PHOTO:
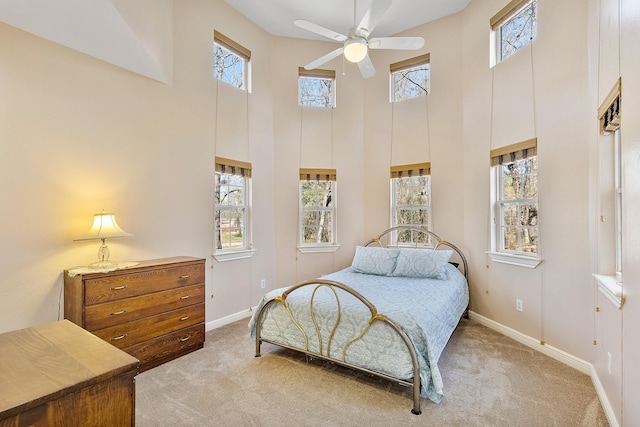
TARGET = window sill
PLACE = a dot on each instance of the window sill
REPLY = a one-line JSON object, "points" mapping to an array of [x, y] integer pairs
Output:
{"points": [[610, 288], [233, 255], [309, 249], [513, 259]]}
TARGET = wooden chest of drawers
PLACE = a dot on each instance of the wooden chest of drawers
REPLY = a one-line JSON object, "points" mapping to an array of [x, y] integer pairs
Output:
{"points": [[153, 311], [58, 374]]}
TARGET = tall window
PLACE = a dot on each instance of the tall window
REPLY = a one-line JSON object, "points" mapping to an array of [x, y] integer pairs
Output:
{"points": [[609, 273], [316, 88], [617, 202], [514, 27], [410, 78], [232, 197], [317, 207], [411, 200], [230, 61], [516, 198]]}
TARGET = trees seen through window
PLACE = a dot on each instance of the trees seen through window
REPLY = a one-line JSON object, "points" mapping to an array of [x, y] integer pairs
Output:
{"points": [[515, 29], [411, 206], [518, 206], [316, 88], [410, 82], [317, 210], [230, 61], [231, 211]]}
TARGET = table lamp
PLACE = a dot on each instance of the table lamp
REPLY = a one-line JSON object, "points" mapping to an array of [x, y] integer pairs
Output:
{"points": [[104, 227]]}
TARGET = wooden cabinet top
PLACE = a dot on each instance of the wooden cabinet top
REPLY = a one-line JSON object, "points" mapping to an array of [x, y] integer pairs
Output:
{"points": [[44, 362], [146, 264]]}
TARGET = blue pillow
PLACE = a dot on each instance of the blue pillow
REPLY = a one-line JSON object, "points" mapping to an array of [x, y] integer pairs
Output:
{"points": [[375, 260], [426, 263]]}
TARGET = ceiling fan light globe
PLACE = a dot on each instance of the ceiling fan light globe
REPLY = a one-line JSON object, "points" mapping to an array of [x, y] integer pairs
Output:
{"points": [[355, 49]]}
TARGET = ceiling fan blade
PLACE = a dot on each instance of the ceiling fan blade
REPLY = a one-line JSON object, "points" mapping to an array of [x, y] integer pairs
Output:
{"points": [[318, 29], [407, 43], [326, 58], [373, 15], [366, 67]]}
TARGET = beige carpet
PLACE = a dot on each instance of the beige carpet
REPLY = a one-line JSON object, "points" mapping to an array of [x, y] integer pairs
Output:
{"points": [[490, 380]]}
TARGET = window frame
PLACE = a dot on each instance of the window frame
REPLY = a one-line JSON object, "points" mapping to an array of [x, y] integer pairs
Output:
{"points": [[618, 200], [402, 172], [242, 170], [317, 74], [405, 66], [505, 16], [236, 49], [501, 205], [326, 175], [522, 151], [609, 115]]}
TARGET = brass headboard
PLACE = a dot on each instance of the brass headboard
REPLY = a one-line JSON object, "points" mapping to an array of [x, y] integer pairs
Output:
{"points": [[418, 238]]}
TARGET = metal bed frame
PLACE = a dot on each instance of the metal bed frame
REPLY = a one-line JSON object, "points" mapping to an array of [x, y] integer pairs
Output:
{"points": [[388, 234]]}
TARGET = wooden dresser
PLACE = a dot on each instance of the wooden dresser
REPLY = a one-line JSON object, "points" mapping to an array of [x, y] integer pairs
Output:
{"points": [[153, 311], [58, 374]]}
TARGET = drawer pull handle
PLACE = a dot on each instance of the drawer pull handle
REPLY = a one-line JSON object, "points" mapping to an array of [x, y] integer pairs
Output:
{"points": [[187, 338], [119, 337], [184, 318], [185, 297], [184, 276], [117, 288], [115, 313]]}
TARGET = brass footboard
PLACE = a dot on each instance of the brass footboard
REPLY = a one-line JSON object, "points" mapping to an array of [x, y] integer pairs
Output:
{"points": [[326, 354]]}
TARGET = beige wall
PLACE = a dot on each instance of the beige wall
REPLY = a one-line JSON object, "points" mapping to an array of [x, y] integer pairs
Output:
{"points": [[619, 56], [563, 85], [315, 138], [540, 92], [78, 135], [437, 137]]}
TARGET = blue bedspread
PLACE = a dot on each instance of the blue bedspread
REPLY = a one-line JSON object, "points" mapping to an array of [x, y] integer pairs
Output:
{"points": [[427, 310]]}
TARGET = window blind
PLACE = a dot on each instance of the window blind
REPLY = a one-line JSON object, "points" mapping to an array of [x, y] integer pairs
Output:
{"points": [[416, 169], [325, 74], [507, 12], [229, 44], [513, 152], [411, 62], [233, 167], [610, 110], [318, 174]]}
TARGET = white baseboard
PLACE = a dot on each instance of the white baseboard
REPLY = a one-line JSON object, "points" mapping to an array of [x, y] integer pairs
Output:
{"points": [[606, 407], [557, 354], [229, 319]]}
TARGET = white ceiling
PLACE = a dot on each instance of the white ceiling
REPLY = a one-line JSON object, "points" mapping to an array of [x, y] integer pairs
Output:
{"points": [[95, 27], [277, 16], [105, 28]]}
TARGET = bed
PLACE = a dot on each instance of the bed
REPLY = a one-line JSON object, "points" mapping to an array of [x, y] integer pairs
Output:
{"points": [[389, 314]]}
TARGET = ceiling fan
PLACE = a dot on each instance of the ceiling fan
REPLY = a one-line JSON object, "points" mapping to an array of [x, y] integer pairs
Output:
{"points": [[357, 42]]}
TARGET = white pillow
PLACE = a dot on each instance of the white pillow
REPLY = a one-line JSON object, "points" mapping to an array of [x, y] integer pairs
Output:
{"points": [[427, 263], [375, 260]]}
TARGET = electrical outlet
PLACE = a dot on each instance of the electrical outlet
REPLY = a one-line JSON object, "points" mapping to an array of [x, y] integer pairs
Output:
{"points": [[263, 283], [518, 305]]}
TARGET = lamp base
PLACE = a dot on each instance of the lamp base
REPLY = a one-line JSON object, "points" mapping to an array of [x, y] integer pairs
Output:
{"points": [[103, 265]]}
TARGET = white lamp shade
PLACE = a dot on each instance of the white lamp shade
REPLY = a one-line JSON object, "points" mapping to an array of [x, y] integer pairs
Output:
{"points": [[355, 49], [104, 227]]}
